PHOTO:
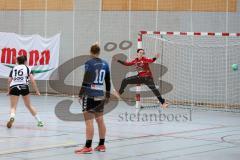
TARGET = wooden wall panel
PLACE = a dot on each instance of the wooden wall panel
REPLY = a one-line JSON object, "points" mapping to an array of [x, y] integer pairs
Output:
{"points": [[174, 5], [8, 5], [146, 5], [215, 5], [170, 5], [115, 5], [36, 4]]}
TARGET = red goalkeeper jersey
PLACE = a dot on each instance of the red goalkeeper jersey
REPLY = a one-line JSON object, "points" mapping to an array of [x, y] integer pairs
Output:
{"points": [[142, 65]]}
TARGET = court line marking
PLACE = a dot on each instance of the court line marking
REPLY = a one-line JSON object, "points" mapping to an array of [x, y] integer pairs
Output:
{"points": [[171, 138], [136, 155], [206, 134], [190, 131], [30, 136], [195, 138], [158, 152], [170, 133], [194, 153], [12, 151], [73, 144], [9, 139], [15, 158], [169, 150], [174, 137], [46, 128], [223, 138], [196, 146]]}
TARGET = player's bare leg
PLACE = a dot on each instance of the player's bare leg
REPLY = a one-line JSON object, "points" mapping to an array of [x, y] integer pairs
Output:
{"points": [[116, 93], [89, 117], [13, 103], [32, 110], [102, 132]]}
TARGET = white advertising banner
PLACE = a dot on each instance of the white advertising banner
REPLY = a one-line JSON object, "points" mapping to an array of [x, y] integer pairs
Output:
{"points": [[42, 53]]}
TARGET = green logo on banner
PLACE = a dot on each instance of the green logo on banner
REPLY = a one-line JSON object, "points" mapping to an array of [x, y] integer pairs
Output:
{"points": [[33, 71]]}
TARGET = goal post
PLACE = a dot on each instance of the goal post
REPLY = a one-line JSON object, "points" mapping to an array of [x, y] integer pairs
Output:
{"points": [[194, 68]]}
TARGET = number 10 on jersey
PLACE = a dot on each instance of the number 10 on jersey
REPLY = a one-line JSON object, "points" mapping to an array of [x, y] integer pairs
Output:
{"points": [[100, 75]]}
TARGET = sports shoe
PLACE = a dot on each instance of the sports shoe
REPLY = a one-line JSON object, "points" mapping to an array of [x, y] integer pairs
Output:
{"points": [[84, 150], [10, 123], [100, 148], [165, 105], [40, 124]]}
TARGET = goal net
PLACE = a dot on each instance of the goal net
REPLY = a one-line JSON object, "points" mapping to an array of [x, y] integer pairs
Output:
{"points": [[193, 69]]}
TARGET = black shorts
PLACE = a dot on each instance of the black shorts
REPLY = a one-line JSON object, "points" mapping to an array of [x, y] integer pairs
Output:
{"points": [[91, 105], [19, 90]]}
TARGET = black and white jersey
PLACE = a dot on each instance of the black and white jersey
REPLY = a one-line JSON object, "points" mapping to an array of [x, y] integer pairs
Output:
{"points": [[20, 75]]}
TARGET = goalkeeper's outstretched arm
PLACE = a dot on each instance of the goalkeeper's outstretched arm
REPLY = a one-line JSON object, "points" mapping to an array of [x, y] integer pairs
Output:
{"points": [[126, 63]]}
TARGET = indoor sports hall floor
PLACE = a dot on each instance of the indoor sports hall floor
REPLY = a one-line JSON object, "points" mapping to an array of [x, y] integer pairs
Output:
{"points": [[201, 134]]}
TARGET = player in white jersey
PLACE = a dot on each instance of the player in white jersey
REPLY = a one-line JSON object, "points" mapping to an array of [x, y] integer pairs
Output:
{"points": [[18, 85]]}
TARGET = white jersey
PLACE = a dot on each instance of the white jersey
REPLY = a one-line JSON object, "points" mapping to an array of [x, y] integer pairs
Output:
{"points": [[20, 75]]}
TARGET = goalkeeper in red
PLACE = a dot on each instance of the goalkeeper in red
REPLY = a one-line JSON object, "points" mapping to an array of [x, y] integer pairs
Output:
{"points": [[144, 75]]}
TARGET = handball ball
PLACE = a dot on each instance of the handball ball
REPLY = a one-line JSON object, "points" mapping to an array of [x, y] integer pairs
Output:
{"points": [[234, 67]]}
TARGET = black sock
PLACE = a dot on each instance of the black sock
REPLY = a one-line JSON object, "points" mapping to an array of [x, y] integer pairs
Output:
{"points": [[120, 92], [88, 143], [161, 100], [101, 142]]}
